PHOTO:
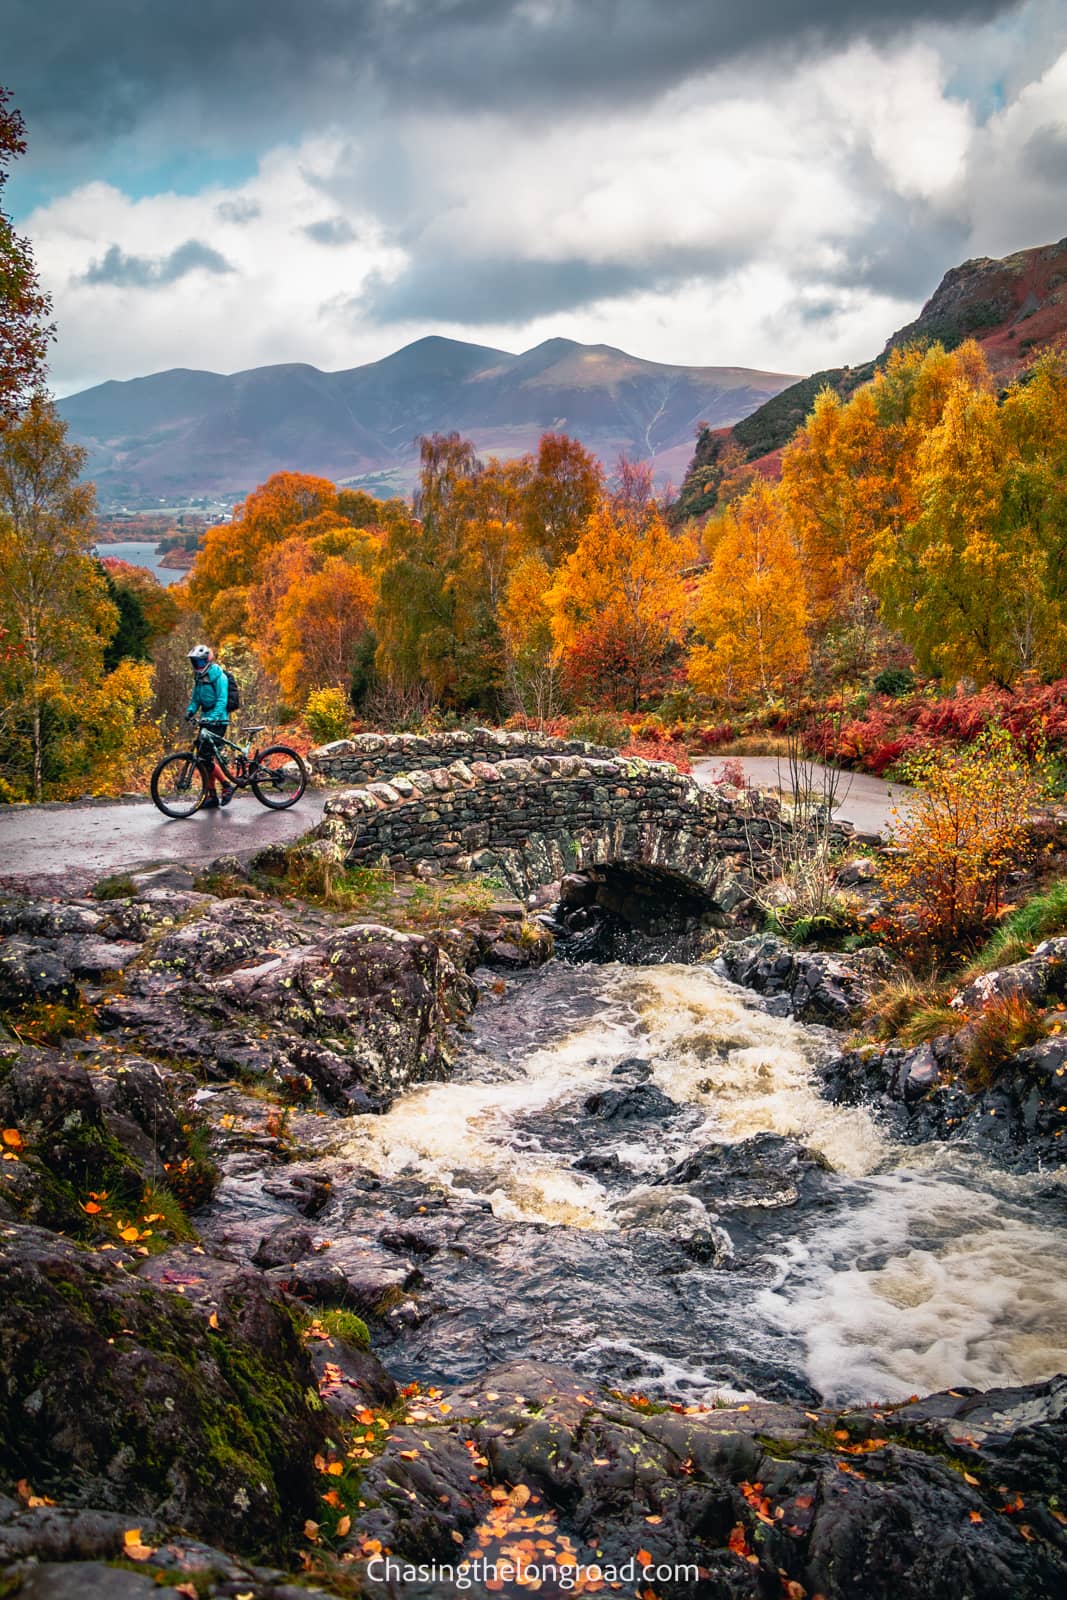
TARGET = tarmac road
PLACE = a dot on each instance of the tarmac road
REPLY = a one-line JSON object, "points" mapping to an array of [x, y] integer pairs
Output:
{"points": [[99, 837], [864, 801], [93, 838]]}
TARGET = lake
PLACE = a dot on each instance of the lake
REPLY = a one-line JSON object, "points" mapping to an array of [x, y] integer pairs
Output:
{"points": [[142, 553]]}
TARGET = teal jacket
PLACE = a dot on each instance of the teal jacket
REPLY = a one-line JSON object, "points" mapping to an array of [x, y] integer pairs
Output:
{"points": [[210, 693]]}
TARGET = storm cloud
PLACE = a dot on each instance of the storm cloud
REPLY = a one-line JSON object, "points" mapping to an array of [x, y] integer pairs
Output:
{"points": [[86, 74]]}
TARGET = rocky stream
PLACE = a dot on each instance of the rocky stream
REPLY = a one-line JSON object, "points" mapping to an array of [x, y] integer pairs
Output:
{"points": [[655, 1271]]}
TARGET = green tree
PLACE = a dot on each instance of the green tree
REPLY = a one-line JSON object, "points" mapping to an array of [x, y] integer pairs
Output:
{"points": [[53, 595]]}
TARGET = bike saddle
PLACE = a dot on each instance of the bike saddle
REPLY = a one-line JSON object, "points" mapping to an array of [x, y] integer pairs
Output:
{"points": [[258, 729]]}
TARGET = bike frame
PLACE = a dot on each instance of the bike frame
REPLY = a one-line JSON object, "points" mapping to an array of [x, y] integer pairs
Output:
{"points": [[217, 741]]}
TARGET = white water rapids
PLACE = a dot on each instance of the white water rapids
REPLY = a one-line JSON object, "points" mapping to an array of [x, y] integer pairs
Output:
{"points": [[926, 1269]]}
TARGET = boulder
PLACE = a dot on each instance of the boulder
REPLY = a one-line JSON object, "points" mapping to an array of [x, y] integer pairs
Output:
{"points": [[189, 1400]]}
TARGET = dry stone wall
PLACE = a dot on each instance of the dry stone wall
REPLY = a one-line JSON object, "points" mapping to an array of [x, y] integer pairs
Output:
{"points": [[531, 821], [382, 755]]}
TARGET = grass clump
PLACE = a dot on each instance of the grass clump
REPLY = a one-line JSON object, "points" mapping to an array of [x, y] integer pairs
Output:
{"points": [[1002, 1027], [1039, 918]]}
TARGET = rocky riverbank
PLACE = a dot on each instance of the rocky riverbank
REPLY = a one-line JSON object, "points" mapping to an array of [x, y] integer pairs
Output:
{"points": [[192, 1252]]}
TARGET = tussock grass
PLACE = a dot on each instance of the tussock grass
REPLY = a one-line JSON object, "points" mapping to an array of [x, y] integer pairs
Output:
{"points": [[1039, 918]]}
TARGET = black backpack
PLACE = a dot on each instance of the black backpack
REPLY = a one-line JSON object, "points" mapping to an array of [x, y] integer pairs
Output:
{"points": [[233, 692]]}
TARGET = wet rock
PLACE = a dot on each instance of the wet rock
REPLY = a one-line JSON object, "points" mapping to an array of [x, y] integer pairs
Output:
{"points": [[765, 1499], [637, 1103], [760, 1173], [351, 1273], [286, 1243], [306, 1192], [1042, 977], [33, 970], [1019, 1119], [119, 1395], [819, 985], [349, 1378]]}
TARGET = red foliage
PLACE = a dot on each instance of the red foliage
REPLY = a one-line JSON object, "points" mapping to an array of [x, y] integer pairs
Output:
{"points": [[711, 738], [1035, 716], [659, 749]]}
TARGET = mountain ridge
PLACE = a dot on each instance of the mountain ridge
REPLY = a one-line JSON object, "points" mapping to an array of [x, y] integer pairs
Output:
{"points": [[1012, 305], [187, 431]]}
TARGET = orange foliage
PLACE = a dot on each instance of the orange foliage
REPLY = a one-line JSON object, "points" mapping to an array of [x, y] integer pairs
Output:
{"points": [[967, 827]]}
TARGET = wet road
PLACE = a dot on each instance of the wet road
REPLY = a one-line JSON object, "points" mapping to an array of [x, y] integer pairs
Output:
{"points": [[101, 837], [864, 801]]}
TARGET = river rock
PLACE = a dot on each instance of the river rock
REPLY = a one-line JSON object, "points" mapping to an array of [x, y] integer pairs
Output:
{"points": [[1042, 977], [1020, 1120], [764, 1499], [191, 1408], [816, 985]]}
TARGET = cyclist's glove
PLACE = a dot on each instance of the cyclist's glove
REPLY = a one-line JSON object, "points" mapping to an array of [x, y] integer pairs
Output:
{"points": [[190, 716]]}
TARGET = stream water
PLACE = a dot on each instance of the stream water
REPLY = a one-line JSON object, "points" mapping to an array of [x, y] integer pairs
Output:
{"points": [[619, 1176]]}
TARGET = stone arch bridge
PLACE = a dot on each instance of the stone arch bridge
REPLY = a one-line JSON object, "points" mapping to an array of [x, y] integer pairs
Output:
{"points": [[642, 828]]}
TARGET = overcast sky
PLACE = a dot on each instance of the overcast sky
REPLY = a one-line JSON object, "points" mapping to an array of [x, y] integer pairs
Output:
{"points": [[767, 183]]}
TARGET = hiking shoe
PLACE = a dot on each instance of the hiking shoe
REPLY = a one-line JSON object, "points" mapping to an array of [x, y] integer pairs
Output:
{"points": [[227, 794], [211, 803]]}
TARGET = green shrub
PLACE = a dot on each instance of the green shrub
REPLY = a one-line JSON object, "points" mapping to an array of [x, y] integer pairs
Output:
{"points": [[328, 714], [1041, 917], [894, 681]]}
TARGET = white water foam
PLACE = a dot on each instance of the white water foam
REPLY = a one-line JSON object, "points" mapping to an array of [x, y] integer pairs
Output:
{"points": [[930, 1284]]}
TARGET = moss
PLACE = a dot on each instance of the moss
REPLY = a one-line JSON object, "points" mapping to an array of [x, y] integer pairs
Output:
{"points": [[346, 1325], [119, 886]]}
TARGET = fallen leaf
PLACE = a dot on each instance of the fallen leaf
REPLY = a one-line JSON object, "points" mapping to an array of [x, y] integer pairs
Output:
{"points": [[311, 1531], [12, 1138], [645, 1557], [343, 1525], [975, 1516], [213, 1320]]}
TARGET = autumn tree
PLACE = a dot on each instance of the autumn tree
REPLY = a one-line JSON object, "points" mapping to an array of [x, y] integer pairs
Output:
{"points": [[25, 330], [849, 474], [228, 563], [53, 595], [751, 611], [562, 488], [421, 574], [525, 618], [977, 581], [618, 602]]}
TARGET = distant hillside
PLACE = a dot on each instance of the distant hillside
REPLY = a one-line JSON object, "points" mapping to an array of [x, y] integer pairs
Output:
{"points": [[1012, 307], [180, 434]]}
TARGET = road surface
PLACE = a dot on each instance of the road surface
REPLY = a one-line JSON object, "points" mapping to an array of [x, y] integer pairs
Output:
{"points": [[96, 838], [864, 801]]}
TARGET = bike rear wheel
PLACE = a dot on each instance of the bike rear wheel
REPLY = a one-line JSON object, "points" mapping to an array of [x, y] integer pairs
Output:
{"points": [[178, 786], [279, 777]]}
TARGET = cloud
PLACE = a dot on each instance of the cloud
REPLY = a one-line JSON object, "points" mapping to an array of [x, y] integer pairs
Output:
{"points": [[330, 231], [86, 75], [1045, 153], [144, 272], [780, 214], [238, 211]]}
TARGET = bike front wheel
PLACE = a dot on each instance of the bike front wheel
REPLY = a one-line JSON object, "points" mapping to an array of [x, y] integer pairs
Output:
{"points": [[279, 777], [178, 786]]}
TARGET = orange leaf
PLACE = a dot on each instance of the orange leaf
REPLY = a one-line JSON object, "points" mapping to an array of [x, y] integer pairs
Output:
{"points": [[975, 1516], [645, 1557], [12, 1138]]}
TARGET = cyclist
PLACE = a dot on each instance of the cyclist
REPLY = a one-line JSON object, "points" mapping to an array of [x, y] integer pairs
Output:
{"points": [[210, 694]]}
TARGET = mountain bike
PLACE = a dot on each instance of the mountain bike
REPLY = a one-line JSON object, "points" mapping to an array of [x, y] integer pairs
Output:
{"points": [[276, 776]]}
